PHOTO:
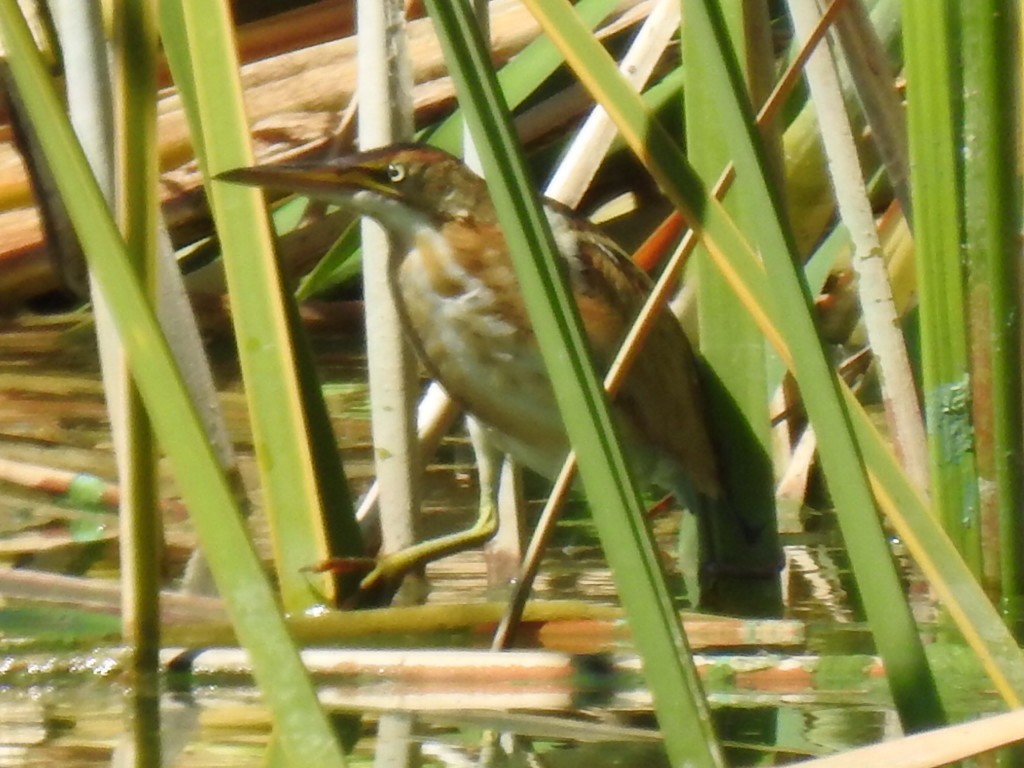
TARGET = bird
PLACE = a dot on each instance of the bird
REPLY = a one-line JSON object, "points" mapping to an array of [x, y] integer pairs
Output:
{"points": [[460, 305]]}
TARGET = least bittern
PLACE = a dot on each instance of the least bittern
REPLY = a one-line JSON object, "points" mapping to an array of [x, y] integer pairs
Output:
{"points": [[460, 304]]}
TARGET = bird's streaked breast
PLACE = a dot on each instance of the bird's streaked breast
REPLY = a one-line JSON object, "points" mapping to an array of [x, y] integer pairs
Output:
{"points": [[469, 332]]}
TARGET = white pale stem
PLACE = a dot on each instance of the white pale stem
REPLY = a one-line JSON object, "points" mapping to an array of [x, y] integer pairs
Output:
{"points": [[385, 116], [591, 143], [435, 415], [875, 81], [880, 317]]}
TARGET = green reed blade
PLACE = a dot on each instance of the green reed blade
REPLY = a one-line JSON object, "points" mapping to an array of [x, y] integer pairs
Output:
{"points": [[300, 467], [237, 570], [679, 701]]}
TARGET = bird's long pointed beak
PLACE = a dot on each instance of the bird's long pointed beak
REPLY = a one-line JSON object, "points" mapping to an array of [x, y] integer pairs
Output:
{"points": [[322, 181]]}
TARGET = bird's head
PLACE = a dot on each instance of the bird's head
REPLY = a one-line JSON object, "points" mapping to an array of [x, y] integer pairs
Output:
{"points": [[402, 185]]}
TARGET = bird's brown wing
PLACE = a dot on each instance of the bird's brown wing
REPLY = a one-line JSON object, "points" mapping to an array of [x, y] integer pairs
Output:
{"points": [[661, 397]]}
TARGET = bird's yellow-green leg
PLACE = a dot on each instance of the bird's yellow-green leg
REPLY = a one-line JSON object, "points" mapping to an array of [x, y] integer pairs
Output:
{"points": [[393, 566]]}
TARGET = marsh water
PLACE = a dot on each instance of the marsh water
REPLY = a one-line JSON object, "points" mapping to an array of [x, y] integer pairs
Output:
{"points": [[64, 699]]}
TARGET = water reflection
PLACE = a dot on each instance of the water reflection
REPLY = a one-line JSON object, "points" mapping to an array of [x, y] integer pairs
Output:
{"points": [[86, 720], [51, 414]]}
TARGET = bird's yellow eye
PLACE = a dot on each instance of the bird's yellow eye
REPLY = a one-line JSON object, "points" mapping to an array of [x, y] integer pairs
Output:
{"points": [[396, 172]]}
